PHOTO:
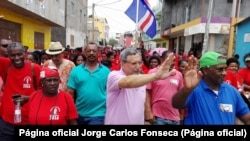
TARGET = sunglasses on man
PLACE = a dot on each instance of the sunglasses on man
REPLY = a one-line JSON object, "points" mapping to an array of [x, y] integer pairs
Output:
{"points": [[4, 45]]}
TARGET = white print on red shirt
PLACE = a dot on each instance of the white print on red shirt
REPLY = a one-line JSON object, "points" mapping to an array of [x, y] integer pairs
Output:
{"points": [[54, 113], [27, 82]]}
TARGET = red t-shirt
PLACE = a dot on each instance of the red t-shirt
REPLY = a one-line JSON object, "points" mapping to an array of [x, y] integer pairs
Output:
{"points": [[144, 69], [4, 63], [231, 78], [99, 56], [176, 61], [115, 65], [56, 110], [244, 75], [1, 93], [19, 81]]}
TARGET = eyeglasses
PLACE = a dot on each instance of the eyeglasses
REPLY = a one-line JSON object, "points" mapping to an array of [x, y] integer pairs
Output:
{"points": [[134, 63], [4, 45]]}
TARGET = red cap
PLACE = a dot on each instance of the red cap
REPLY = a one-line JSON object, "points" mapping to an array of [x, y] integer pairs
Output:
{"points": [[49, 71]]}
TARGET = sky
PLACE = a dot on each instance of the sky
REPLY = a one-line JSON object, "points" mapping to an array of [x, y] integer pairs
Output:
{"points": [[114, 12]]}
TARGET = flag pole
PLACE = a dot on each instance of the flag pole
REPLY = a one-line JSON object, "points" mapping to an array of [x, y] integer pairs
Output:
{"points": [[137, 11], [144, 18], [136, 24]]}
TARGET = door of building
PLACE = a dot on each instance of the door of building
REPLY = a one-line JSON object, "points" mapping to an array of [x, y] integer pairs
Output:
{"points": [[10, 30]]}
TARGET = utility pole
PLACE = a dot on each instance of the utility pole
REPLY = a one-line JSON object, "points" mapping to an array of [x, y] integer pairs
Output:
{"points": [[93, 22], [235, 15], [206, 36]]}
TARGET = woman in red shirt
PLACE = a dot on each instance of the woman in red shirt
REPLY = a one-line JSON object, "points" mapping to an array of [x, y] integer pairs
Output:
{"points": [[51, 106], [232, 73], [244, 74]]}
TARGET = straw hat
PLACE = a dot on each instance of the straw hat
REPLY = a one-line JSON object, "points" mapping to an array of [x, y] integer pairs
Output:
{"points": [[55, 48]]}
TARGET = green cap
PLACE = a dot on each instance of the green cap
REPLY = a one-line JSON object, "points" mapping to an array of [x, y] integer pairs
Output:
{"points": [[212, 58]]}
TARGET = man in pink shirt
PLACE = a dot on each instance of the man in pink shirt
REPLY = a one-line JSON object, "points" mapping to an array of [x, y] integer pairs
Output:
{"points": [[126, 90], [158, 107]]}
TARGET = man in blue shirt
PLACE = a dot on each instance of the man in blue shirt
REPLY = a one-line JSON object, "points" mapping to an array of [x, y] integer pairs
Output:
{"points": [[209, 100], [87, 82]]}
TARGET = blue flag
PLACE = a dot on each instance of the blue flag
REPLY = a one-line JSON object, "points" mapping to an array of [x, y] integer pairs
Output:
{"points": [[146, 18]]}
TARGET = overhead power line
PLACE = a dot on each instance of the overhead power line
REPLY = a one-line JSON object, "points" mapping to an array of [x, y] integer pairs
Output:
{"points": [[124, 26], [108, 3]]}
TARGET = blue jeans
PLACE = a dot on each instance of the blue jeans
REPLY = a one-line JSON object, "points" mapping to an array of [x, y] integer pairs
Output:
{"points": [[91, 120], [161, 121]]}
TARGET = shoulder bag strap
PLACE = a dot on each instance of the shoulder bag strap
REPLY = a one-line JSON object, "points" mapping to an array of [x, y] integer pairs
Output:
{"points": [[33, 75]]}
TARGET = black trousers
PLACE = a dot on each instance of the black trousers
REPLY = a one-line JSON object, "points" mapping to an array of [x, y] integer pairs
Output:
{"points": [[7, 131]]}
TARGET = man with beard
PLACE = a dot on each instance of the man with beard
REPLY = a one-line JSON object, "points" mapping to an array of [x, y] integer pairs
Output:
{"points": [[87, 82], [64, 66], [20, 78], [208, 99]]}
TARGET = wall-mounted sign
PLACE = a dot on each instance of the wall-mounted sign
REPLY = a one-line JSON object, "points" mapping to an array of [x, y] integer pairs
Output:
{"points": [[247, 37], [214, 28]]}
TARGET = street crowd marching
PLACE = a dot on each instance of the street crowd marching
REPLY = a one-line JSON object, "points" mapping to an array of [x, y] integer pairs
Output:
{"points": [[132, 86]]}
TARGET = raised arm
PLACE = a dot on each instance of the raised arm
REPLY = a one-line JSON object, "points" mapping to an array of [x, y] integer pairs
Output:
{"points": [[192, 78], [137, 80]]}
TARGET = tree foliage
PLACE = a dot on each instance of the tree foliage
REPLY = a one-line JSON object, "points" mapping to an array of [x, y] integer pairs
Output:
{"points": [[113, 42]]}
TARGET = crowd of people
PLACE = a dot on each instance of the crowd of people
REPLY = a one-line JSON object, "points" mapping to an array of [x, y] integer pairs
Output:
{"points": [[101, 86]]}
